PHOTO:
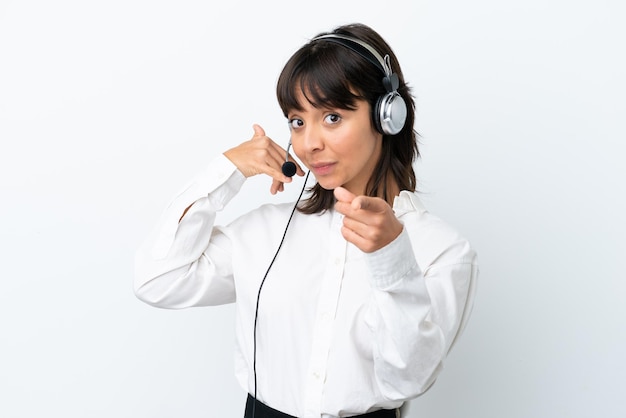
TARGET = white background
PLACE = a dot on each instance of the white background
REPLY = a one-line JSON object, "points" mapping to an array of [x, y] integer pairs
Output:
{"points": [[108, 107]]}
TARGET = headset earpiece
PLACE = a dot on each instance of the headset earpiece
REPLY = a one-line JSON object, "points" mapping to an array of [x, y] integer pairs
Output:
{"points": [[390, 111]]}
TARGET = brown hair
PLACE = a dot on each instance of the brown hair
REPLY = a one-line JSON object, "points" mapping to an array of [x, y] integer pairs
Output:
{"points": [[335, 76]]}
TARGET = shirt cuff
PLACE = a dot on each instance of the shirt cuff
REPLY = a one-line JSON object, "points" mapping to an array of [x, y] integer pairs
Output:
{"points": [[392, 263]]}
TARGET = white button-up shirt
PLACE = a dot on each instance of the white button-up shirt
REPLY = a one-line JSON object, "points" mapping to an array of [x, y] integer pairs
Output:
{"points": [[340, 332]]}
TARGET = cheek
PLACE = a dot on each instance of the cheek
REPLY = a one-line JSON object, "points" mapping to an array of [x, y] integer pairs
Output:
{"points": [[298, 151], [360, 145]]}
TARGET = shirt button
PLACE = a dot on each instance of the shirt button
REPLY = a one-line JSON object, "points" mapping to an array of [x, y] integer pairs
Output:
{"points": [[337, 261]]}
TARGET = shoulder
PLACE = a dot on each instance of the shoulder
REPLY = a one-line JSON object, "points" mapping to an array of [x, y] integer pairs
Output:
{"points": [[434, 240]]}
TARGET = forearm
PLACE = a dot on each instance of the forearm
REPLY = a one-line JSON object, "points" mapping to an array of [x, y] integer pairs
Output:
{"points": [[414, 318], [184, 261]]}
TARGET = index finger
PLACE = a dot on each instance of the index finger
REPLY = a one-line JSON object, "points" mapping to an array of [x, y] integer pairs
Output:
{"points": [[370, 204]]}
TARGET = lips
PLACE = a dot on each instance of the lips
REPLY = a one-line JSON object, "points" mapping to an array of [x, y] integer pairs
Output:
{"points": [[324, 168]]}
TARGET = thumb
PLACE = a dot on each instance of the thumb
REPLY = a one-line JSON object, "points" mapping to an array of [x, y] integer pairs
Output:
{"points": [[258, 131], [343, 195]]}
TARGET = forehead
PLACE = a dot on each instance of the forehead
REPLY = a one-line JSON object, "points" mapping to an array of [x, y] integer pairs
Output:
{"points": [[309, 94]]}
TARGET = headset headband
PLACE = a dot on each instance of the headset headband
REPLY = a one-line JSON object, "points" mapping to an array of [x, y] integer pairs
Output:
{"points": [[380, 62], [390, 80]]}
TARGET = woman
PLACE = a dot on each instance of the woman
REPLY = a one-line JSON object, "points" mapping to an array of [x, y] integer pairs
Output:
{"points": [[357, 312]]}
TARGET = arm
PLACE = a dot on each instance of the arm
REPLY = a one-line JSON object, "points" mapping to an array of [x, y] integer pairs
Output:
{"points": [[417, 315], [186, 261], [418, 309]]}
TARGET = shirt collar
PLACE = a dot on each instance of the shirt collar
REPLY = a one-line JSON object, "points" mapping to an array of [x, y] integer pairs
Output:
{"points": [[407, 202]]}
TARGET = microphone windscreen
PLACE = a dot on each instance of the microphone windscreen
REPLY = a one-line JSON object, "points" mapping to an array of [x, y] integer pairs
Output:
{"points": [[289, 168]]}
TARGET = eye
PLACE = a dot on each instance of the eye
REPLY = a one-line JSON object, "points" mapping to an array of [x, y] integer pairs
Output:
{"points": [[332, 118], [295, 123]]}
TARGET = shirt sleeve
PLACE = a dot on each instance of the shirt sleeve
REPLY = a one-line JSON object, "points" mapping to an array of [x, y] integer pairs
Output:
{"points": [[417, 312], [187, 261]]}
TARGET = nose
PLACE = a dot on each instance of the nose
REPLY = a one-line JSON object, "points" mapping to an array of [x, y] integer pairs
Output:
{"points": [[312, 138]]}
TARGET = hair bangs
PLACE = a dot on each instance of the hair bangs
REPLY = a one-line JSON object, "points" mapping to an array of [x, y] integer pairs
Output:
{"points": [[320, 78]]}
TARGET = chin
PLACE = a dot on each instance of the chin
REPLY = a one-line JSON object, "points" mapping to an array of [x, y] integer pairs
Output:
{"points": [[328, 185]]}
